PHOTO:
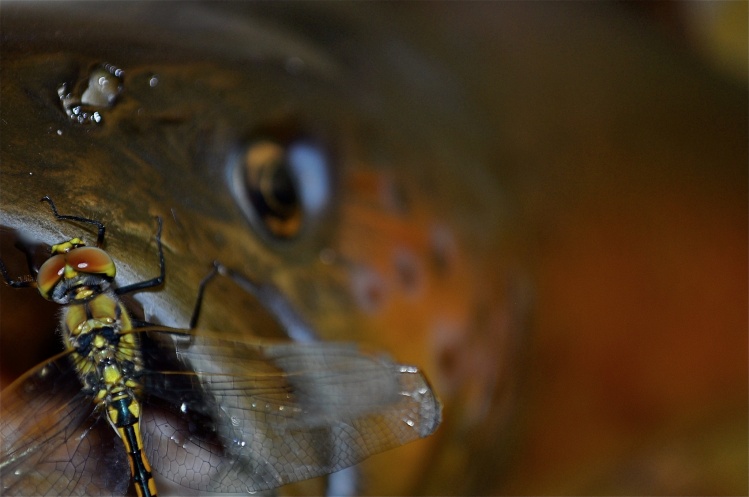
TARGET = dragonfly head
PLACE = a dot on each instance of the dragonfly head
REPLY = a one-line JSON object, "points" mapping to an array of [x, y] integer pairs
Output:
{"points": [[75, 273]]}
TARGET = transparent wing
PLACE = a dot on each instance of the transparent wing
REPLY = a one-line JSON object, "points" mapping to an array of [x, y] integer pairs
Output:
{"points": [[249, 416], [52, 443]]}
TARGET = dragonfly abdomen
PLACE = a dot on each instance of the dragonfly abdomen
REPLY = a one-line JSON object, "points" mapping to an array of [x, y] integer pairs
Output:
{"points": [[124, 414]]}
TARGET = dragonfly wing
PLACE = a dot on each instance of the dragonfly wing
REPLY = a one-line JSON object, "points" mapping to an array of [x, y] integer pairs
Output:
{"points": [[51, 443], [253, 417]]}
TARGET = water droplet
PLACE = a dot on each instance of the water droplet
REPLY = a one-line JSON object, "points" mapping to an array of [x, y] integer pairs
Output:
{"points": [[178, 439], [153, 81], [59, 132], [103, 88], [91, 94]]}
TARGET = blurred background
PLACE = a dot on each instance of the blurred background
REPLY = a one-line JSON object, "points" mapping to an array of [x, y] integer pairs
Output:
{"points": [[543, 205]]}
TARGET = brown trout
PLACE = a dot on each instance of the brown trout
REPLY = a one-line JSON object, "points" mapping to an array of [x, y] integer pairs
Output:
{"points": [[543, 207]]}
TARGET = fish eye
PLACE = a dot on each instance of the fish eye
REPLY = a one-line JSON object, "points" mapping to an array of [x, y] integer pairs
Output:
{"points": [[50, 274], [91, 260], [283, 186], [272, 191]]}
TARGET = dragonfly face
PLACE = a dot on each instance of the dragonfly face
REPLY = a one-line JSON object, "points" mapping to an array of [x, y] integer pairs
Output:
{"points": [[75, 273], [211, 412]]}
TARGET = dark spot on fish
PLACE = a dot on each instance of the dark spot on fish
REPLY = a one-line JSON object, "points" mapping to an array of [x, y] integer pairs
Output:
{"points": [[442, 250], [369, 289], [408, 270], [448, 360]]}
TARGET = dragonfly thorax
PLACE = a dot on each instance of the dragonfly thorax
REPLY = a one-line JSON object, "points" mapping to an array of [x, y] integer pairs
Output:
{"points": [[106, 354]]}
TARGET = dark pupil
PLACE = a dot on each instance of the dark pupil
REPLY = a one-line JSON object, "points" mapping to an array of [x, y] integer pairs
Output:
{"points": [[274, 194]]}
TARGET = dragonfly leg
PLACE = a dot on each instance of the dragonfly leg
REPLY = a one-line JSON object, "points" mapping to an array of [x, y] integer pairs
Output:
{"points": [[201, 291], [98, 224], [27, 281], [162, 268]]}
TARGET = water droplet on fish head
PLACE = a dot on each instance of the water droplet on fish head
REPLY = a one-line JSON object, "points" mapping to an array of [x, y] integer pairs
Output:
{"points": [[103, 88], [93, 93]]}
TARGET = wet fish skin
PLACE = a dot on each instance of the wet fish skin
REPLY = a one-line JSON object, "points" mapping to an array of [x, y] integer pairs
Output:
{"points": [[383, 261]]}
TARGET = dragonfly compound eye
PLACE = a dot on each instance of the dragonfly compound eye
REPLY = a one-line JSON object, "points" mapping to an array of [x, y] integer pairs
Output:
{"points": [[50, 275], [91, 260]]}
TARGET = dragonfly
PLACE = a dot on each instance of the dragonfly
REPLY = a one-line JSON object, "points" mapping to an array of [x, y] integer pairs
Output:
{"points": [[211, 412]]}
